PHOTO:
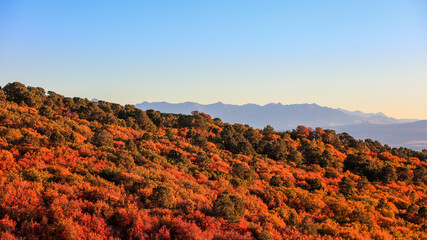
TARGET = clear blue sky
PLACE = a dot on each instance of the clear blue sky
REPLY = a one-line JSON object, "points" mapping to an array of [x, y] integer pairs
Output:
{"points": [[365, 55]]}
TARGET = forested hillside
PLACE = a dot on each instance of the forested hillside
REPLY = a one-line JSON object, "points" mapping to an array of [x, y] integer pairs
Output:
{"points": [[71, 168]]}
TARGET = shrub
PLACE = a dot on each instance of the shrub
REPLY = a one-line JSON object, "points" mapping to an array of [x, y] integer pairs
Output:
{"points": [[103, 139], [56, 138], [315, 184], [388, 174], [229, 207], [361, 164], [110, 174], [404, 174], [176, 157], [331, 173], [275, 181], [243, 172], [203, 160], [422, 212], [420, 175], [346, 187], [162, 197]]}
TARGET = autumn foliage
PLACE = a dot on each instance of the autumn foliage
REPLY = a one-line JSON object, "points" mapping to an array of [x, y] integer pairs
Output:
{"points": [[71, 168]]}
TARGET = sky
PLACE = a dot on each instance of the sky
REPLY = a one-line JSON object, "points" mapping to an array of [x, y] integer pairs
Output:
{"points": [[356, 55]]}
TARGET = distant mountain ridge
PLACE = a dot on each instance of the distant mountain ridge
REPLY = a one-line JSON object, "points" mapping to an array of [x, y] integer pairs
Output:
{"points": [[282, 117], [409, 133]]}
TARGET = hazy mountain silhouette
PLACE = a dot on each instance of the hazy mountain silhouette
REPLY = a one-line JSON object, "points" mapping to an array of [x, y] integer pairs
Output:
{"points": [[281, 117], [411, 135], [377, 126]]}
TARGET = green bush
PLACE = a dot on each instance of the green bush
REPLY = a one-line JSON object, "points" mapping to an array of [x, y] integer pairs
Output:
{"points": [[243, 172], [275, 181], [176, 157], [162, 197], [103, 139], [229, 207], [346, 187]]}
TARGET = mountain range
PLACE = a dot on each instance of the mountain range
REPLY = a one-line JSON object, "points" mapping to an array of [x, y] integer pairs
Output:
{"points": [[411, 133]]}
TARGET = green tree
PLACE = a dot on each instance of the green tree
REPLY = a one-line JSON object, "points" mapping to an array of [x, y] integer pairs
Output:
{"points": [[268, 130], [346, 187], [243, 172], [275, 181], [315, 184], [47, 112], [16, 92], [422, 212], [103, 139], [203, 160], [56, 138], [388, 174], [404, 174], [162, 197], [420, 175], [176, 157], [229, 207], [361, 164]]}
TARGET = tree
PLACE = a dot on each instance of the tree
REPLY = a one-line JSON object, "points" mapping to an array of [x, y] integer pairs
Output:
{"points": [[328, 160], [422, 212], [47, 111], [420, 175], [30, 140], [275, 181], [198, 139], [276, 150], [56, 138], [35, 97], [346, 187], [302, 131], [242, 172], [388, 174], [349, 141], [404, 174], [176, 157], [361, 164], [162, 197], [315, 184], [359, 215], [201, 120], [228, 206], [103, 139], [16, 92], [203, 160], [311, 152], [268, 130]]}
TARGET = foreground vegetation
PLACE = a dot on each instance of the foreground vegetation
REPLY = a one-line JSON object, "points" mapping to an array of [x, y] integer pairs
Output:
{"points": [[75, 169]]}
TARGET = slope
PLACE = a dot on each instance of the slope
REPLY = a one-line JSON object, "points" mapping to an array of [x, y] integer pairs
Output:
{"points": [[75, 169]]}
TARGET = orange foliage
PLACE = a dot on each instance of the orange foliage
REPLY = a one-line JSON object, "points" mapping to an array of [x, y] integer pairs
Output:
{"points": [[57, 182]]}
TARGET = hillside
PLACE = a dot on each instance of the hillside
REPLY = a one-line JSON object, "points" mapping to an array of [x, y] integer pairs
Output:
{"points": [[279, 116], [71, 168]]}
